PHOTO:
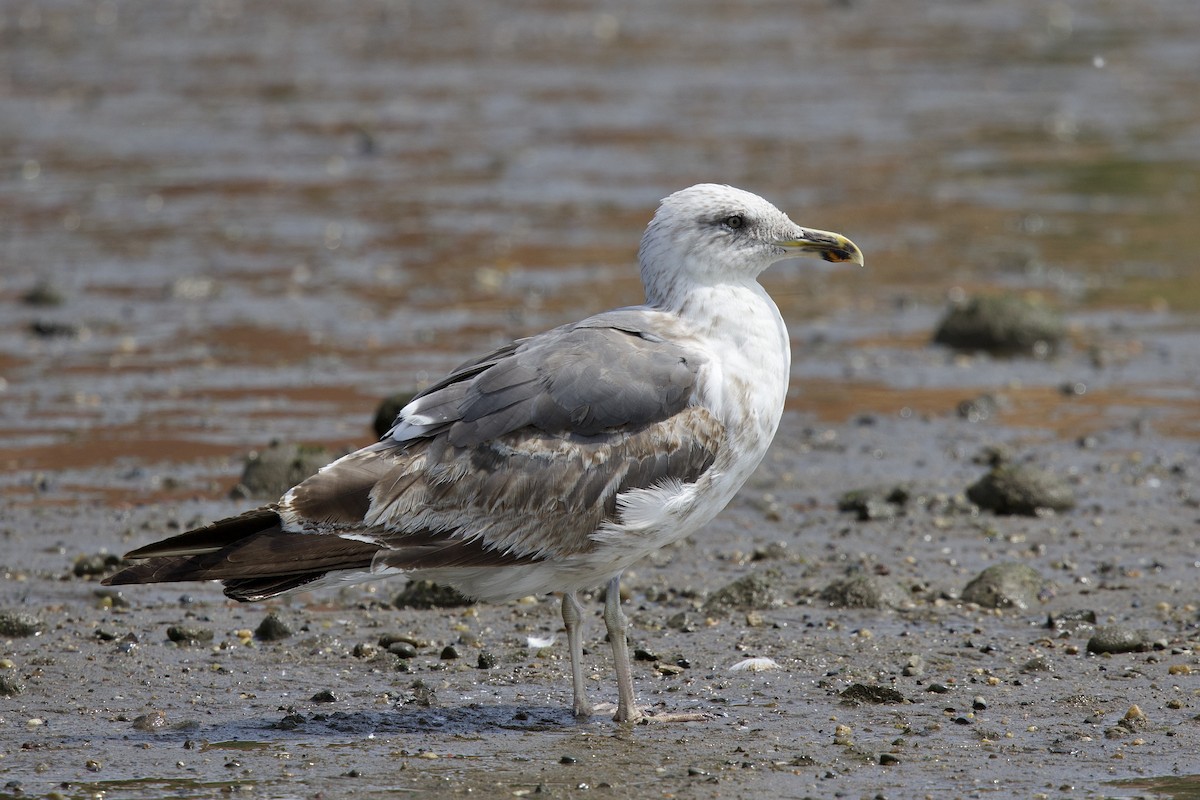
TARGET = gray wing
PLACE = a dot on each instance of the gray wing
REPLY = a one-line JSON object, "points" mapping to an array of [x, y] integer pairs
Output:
{"points": [[607, 372], [526, 449]]}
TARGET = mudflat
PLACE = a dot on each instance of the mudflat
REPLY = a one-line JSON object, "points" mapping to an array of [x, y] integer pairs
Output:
{"points": [[958, 573]]}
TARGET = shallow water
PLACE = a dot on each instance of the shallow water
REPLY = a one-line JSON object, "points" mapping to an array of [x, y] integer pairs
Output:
{"points": [[264, 218]]}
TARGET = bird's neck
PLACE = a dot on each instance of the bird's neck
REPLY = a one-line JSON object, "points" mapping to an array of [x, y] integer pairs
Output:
{"points": [[717, 308], [739, 327]]}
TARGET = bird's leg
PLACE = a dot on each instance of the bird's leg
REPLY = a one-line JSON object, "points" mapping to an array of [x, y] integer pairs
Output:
{"points": [[614, 620], [572, 615]]}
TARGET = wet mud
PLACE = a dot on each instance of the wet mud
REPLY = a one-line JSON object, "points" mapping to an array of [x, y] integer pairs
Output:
{"points": [[228, 224]]}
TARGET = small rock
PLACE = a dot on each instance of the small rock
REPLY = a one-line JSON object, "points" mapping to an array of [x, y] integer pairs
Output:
{"points": [[151, 721], [18, 624], [914, 666], [486, 660], [427, 594], [887, 759], [861, 693], [1135, 717], [1007, 585], [1038, 663], [324, 696], [449, 653], [402, 649], [43, 294], [978, 409], [1072, 621], [272, 629], [1020, 489], [95, 564], [1119, 639], [754, 591], [684, 622], [419, 694], [186, 634], [271, 472], [386, 640], [10, 686], [291, 722], [389, 409], [878, 502], [365, 650], [49, 329], [1003, 325], [863, 591]]}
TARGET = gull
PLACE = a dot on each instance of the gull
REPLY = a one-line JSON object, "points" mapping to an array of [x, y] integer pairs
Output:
{"points": [[556, 461]]}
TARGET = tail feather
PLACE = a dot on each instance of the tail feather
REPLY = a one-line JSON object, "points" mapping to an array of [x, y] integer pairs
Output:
{"points": [[212, 537], [251, 553]]}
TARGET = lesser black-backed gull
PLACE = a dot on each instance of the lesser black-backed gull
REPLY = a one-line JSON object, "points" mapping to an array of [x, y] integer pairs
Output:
{"points": [[556, 461]]}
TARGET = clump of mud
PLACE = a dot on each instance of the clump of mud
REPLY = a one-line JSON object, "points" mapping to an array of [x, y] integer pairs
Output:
{"points": [[1002, 324], [271, 472]]}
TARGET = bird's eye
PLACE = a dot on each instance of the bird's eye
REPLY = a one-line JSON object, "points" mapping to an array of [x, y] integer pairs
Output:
{"points": [[734, 221]]}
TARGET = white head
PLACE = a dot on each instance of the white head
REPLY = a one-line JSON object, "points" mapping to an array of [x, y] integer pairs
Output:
{"points": [[710, 234]]}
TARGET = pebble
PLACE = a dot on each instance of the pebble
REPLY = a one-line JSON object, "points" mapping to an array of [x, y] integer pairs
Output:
{"points": [[861, 693], [749, 593], [914, 666], [1118, 639], [388, 639], [324, 696], [449, 653], [1072, 621], [10, 686], [44, 294], [684, 622], [150, 721], [269, 473], [388, 410], [1018, 489], [864, 591], [94, 564], [272, 629], [365, 650], [427, 594], [1005, 324], [185, 634], [879, 502], [18, 624], [402, 649], [486, 660], [1007, 585]]}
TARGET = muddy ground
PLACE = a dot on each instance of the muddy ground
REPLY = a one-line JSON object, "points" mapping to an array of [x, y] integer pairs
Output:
{"points": [[226, 224]]}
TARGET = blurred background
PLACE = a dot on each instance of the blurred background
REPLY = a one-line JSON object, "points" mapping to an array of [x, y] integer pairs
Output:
{"points": [[229, 222]]}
